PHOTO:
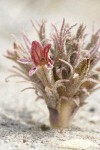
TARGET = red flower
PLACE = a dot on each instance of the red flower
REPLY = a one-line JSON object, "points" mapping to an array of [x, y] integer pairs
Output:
{"points": [[38, 57]]}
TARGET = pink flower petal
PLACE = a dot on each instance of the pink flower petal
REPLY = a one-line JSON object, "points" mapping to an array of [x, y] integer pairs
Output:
{"points": [[23, 61], [46, 50], [37, 48], [32, 71], [36, 52]]}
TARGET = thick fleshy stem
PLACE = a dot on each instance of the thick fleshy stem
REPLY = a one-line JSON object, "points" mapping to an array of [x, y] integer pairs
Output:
{"points": [[43, 75]]}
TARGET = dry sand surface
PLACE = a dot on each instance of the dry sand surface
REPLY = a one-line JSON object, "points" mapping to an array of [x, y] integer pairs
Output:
{"points": [[21, 117]]}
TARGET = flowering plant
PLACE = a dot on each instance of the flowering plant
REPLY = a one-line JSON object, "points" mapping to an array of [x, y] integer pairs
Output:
{"points": [[62, 70]]}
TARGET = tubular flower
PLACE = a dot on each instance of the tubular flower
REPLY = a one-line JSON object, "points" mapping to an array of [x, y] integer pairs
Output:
{"points": [[38, 57]]}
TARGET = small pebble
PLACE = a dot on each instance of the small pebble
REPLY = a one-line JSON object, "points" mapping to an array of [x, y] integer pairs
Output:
{"points": [[92, 109], [24, 140], [45, 127], [94, 119]]}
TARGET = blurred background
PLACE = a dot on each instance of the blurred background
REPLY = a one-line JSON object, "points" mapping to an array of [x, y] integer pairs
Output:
{"points": [[15, 15]]}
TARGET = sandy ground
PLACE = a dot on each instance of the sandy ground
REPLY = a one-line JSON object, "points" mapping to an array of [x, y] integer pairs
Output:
{"points": [[22, 118]]}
